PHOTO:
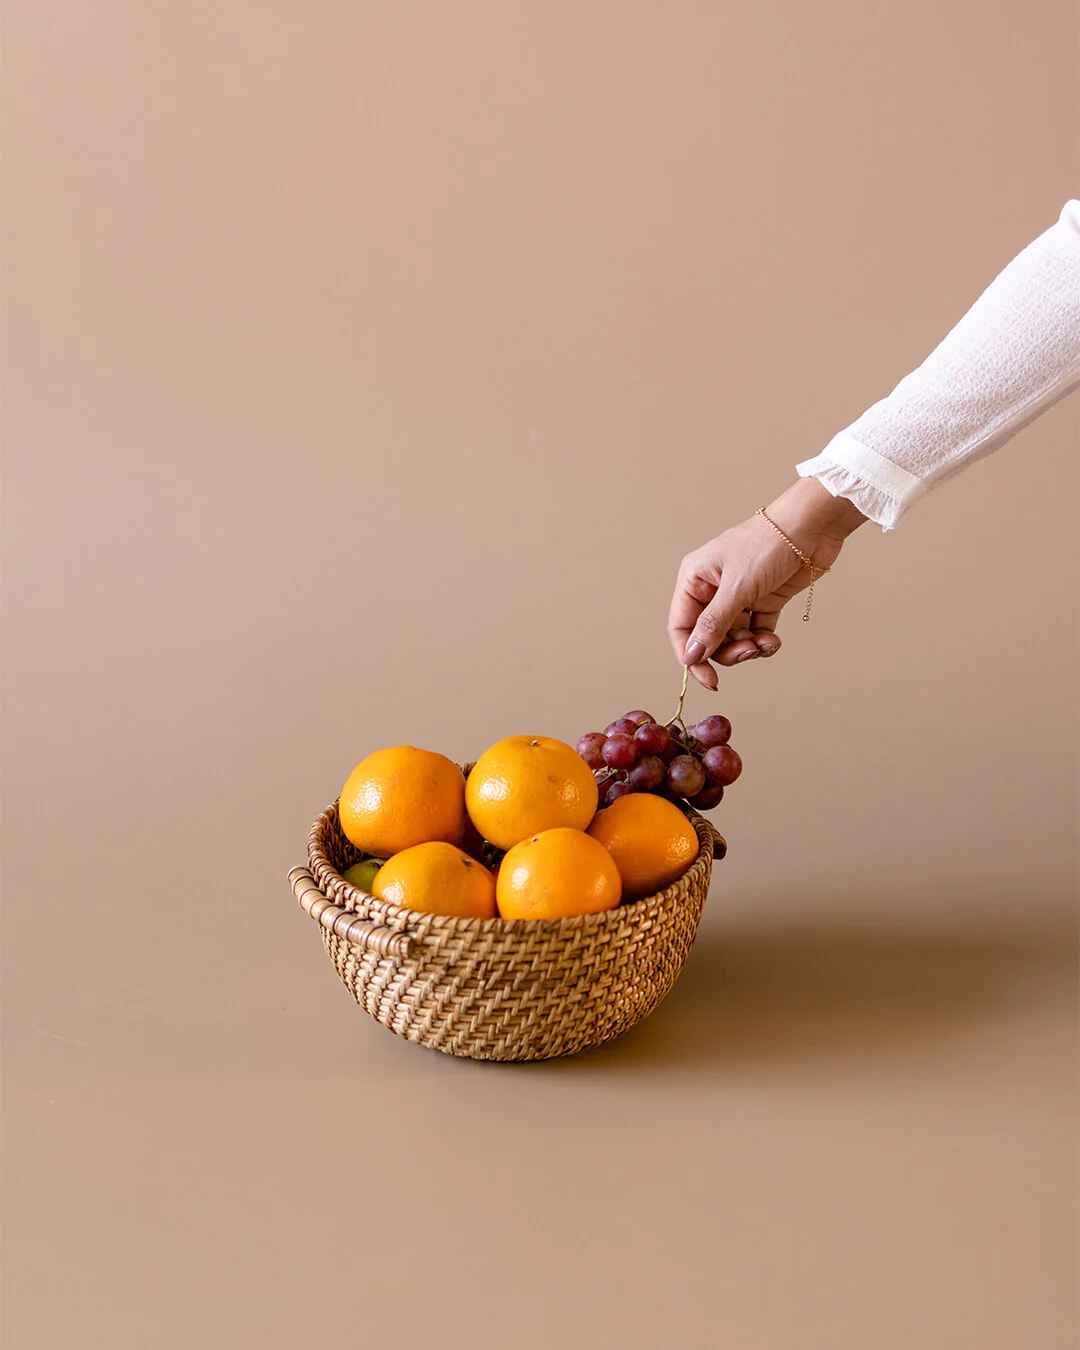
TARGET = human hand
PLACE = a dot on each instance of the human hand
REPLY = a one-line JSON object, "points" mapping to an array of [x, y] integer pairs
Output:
{"points": [[729, 593]]}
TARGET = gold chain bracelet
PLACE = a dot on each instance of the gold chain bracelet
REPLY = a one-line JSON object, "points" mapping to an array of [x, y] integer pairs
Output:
{"points": [[804, 558]]}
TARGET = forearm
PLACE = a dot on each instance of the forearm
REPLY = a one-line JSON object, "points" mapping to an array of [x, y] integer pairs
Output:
{"points": [[1015, 352]]}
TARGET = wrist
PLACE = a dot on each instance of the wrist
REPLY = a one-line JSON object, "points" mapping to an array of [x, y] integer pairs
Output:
{"points": [[813, 515]]}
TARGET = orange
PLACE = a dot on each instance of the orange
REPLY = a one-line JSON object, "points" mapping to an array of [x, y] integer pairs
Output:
{"points": [[402, 796], [556, 874], [650, 840], [437, 879], [525, 784]]}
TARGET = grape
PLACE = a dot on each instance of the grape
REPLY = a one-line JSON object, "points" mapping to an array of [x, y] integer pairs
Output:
{"points": [[652, 739], [722, 765], [714, 730], [620, 751], [675, 745], [685, 776], [711, 795], [618, 787], [622, 727], [648, 774], [638, 717], [590, 747]]}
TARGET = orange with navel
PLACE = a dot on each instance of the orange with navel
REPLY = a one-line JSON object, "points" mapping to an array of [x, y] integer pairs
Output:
{"points": [[437, 878], [402, 796], [651, 841], [525, 784], [555, 875]]}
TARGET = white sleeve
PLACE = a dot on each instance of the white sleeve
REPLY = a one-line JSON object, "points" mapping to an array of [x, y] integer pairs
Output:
{"points": [[1013, 354]]}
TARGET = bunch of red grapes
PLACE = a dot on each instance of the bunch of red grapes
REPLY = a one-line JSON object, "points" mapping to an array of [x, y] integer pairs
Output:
{"points": [[638, 754]]}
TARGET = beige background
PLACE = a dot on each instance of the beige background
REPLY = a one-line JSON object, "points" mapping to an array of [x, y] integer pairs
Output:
{"points": [[370, 368]]}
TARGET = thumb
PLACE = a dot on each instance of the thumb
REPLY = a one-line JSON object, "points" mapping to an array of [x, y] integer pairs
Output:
{"points": [[713, 625]]}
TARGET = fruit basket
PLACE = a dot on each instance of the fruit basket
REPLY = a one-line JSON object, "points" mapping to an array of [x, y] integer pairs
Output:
{"points": [[497, 989]]}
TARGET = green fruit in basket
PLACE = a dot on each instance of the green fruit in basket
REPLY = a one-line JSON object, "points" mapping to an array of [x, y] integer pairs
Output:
{"points": [[362, 874]]}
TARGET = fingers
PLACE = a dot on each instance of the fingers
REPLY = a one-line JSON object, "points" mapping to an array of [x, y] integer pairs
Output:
{"points": [[739, 644], [763, 625], [709, 626], [705, 676], [712, 625], [768, 644], [692, 593], [737, 650], [689, 598], [754, 637]]}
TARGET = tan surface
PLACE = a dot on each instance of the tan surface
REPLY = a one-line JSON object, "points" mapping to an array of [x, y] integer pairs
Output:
{"points": [[372, 365]]}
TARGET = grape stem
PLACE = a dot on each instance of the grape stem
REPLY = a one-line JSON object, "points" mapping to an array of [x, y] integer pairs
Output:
{"points": [[678, 717]]}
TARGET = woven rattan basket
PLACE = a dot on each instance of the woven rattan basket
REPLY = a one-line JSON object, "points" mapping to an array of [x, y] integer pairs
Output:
{"points": [[496, 989]]}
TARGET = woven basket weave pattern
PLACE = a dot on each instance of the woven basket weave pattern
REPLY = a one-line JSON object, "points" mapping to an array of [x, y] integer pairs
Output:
{"points": [[498, 990]]}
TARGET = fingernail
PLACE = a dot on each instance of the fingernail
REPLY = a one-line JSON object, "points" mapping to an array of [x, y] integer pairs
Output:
{"points": [[694, 652], [747, 656], [768, 651]]}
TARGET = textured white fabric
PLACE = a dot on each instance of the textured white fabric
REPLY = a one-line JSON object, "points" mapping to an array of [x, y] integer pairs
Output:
{"points": [[1013, 354]]}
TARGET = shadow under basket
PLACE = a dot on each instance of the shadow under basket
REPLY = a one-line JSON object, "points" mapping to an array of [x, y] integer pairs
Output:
{"points": [[498, 989]]}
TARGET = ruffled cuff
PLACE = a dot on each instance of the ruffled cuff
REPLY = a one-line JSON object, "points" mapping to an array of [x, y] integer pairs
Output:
{"points": [[881, 490]]}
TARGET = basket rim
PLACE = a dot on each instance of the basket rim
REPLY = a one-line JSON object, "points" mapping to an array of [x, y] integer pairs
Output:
{"points": [[418, 922]]}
